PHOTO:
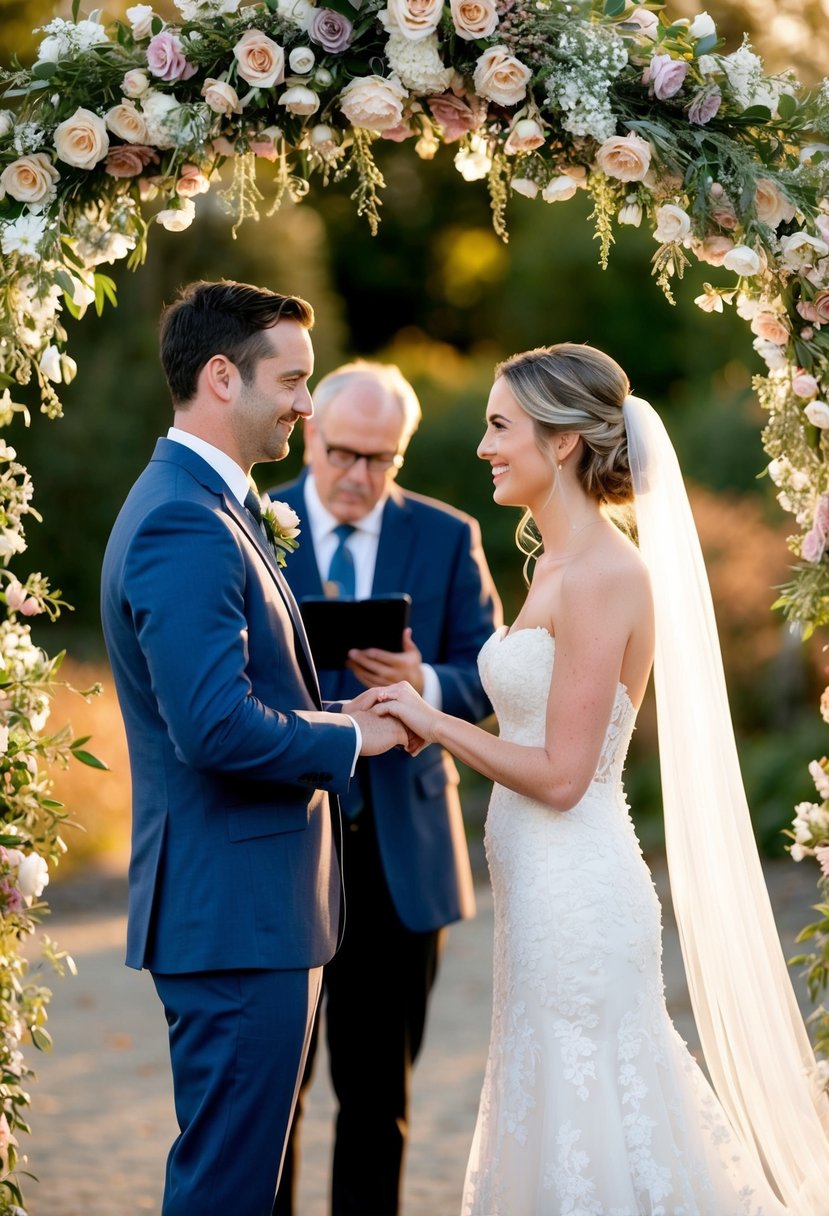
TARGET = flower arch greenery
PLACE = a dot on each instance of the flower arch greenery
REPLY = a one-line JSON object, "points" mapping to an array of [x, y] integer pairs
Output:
{"points": [[116, 128]]}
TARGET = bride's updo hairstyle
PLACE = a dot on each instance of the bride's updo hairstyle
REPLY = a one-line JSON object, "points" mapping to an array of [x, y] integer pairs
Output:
{"points": [[579, 389]]}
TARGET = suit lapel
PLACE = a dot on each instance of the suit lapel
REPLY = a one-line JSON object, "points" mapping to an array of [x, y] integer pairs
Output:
{"points": [[243, 517], [394, 548]]}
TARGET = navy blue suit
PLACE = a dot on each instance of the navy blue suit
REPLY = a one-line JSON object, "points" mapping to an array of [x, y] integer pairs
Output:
{"points": [[235, 882], [406, 863]]}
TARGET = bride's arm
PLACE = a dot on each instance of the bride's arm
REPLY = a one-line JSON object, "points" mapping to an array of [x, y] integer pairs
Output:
{"points": [[592, 632]]}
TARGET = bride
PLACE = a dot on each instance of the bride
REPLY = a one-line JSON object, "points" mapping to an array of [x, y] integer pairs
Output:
{"points": [[591, 1104]]}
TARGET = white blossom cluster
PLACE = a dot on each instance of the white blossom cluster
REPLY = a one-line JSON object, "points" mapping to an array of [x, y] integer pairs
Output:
{"points": [[418, 64], [594, 56], [66, 38]]}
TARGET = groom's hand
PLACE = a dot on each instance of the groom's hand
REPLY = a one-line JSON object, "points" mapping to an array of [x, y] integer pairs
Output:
{"points": [[381, 734]]}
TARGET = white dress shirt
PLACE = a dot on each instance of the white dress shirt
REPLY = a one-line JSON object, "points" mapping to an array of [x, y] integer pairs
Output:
{"points": [[362, 544], [238, 482]]}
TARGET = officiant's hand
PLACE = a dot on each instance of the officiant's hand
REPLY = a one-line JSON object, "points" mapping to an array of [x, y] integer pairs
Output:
{"points": [[374, 667]]}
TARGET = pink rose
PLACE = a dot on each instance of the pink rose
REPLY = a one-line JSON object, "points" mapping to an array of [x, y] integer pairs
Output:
{"points": [[804, 385], [725, 215], [821, 520], [821, 306], [822, 225], [713, 249], [665, 76], [807, 310], [331, 30], [822, 855], [453, 115], [814, 543], [165, 58], [767, 325], [704, 105], [128, 160], [807, 333], [31, 606], [191, 182], [400, 133]]}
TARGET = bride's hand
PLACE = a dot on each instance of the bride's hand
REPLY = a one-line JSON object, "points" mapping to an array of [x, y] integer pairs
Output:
{"points": [[402, 702]]}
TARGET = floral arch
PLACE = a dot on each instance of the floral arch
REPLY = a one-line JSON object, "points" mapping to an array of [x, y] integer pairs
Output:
{"points": [[116, 128]]}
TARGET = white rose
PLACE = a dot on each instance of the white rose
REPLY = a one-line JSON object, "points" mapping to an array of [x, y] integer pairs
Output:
{"points": [[296, 12], [802, 249], [559, 189], [323, 77], [32, 876], [176, 219], [127, 123], [474, 19], [135, 83], [31, 179], [672, 224], [500, 77], [523, 185], [49, 363], [221, 96], [414, 19], [300, 100], [702, 26], [742, 261], [286, 517], [645, 21], [140, 17], [373, 102], [81, 140], [261, 60], [6, 122], [301, 60], [818, 414]]}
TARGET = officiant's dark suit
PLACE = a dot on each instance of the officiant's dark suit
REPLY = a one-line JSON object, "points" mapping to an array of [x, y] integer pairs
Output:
{"points": [[406, 865], [234, 883]]}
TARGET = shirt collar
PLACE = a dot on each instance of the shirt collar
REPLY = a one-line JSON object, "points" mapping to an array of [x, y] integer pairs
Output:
{"points": [[322, 522], [230, 472]]}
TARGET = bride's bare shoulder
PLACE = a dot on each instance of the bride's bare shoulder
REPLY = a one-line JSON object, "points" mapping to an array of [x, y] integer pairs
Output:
{"points": [[609, 571]]}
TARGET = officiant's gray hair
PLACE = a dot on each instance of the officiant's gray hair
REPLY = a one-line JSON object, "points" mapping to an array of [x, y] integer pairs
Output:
{"points": [[569, 387], [387, 375]]}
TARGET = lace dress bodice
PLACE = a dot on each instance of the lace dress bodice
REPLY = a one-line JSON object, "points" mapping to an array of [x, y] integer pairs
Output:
{"points": [[591, 1104]]}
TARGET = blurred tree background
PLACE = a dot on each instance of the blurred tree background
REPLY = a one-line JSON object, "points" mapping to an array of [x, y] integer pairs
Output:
{"points": [[438, 293]]}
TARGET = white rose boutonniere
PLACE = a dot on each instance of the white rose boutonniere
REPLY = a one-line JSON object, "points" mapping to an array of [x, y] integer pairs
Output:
{"points": [[282, 526]]}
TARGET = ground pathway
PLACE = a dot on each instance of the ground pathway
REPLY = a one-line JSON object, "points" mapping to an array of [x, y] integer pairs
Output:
{"points": [[102, 1109]]}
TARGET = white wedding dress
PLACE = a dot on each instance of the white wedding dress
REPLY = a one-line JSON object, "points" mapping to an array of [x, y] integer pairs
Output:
{"points": [[591, 1104]]}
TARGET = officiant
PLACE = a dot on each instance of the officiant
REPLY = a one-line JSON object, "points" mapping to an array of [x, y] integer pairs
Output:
{"points": [[405, 861]]}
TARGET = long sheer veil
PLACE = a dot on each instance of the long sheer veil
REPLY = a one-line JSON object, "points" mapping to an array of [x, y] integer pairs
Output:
{"points": [[755, 1044]]}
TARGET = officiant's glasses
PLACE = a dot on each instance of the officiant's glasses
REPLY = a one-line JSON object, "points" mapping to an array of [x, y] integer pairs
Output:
{"points": [[376, 462]]}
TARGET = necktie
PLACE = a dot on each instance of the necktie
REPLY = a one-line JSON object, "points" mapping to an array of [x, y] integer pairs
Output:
{"points": [[254, 508], [342, 582]]}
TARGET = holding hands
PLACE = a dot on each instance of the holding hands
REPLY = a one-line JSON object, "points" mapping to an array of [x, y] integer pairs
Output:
{"points": [[402, 702]]}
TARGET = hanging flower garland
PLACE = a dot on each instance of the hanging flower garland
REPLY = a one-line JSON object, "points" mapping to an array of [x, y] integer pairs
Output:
{"points": [[117, 127]]}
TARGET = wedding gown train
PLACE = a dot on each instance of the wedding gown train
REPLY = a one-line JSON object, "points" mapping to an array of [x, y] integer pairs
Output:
{"points": [[591, 1103]]}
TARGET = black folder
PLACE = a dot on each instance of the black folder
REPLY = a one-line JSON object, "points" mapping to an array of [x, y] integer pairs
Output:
{"points": [[335, 626]]}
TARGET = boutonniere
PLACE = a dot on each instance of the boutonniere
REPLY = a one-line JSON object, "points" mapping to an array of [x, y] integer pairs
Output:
{"points": [[280, 523]]}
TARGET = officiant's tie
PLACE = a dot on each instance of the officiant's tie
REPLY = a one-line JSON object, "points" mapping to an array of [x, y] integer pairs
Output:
{"points": [[342, 581]]}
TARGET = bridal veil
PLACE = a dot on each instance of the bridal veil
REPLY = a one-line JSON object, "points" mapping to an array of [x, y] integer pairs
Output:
{"points": [[755, 1044]]}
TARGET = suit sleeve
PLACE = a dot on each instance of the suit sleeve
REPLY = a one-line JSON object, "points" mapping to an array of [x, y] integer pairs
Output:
{"points": [[473, 611], [184, 583]]}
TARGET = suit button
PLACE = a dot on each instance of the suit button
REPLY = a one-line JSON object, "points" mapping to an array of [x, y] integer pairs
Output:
{"points": [[353, 827]]}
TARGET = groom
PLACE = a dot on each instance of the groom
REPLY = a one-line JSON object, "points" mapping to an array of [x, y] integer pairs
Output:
{"points": [[235, 885]]}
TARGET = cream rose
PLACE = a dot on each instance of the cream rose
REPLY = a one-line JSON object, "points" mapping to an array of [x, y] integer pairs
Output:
{"points": [[473, 18], [176, 219], [285, 516], [672, 224], [135, 83], [261, 60], [772, 208], [301, 60], [560, 189], [525, 186], [742, 261], [500, 77], [625, 157], [801, 249], [127, 123], [713, 249], [818, 414], [526, 135], [221, 96], [768, 325], [32, 179], [300, 100], [140, 17], [415, 19], [81, 140], [805, 385], [373, 102]]}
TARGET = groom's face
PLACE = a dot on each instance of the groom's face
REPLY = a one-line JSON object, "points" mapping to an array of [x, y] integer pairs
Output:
{"points": [[276, 395], [363, 418]]}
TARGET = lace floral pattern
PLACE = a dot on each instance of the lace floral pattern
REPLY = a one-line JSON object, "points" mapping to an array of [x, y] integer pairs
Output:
{"points": [[591, 1104]]}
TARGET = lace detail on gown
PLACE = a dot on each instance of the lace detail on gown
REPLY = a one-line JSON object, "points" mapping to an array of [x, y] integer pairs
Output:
{"points": [[591, 1103]]}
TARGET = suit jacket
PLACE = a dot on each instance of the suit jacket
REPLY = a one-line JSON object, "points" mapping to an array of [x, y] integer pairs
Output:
{"points": [[434, 553], [234, 841]]}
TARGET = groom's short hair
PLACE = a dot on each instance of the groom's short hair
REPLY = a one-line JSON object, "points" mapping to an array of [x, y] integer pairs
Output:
{"points": [[223, 318]]}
